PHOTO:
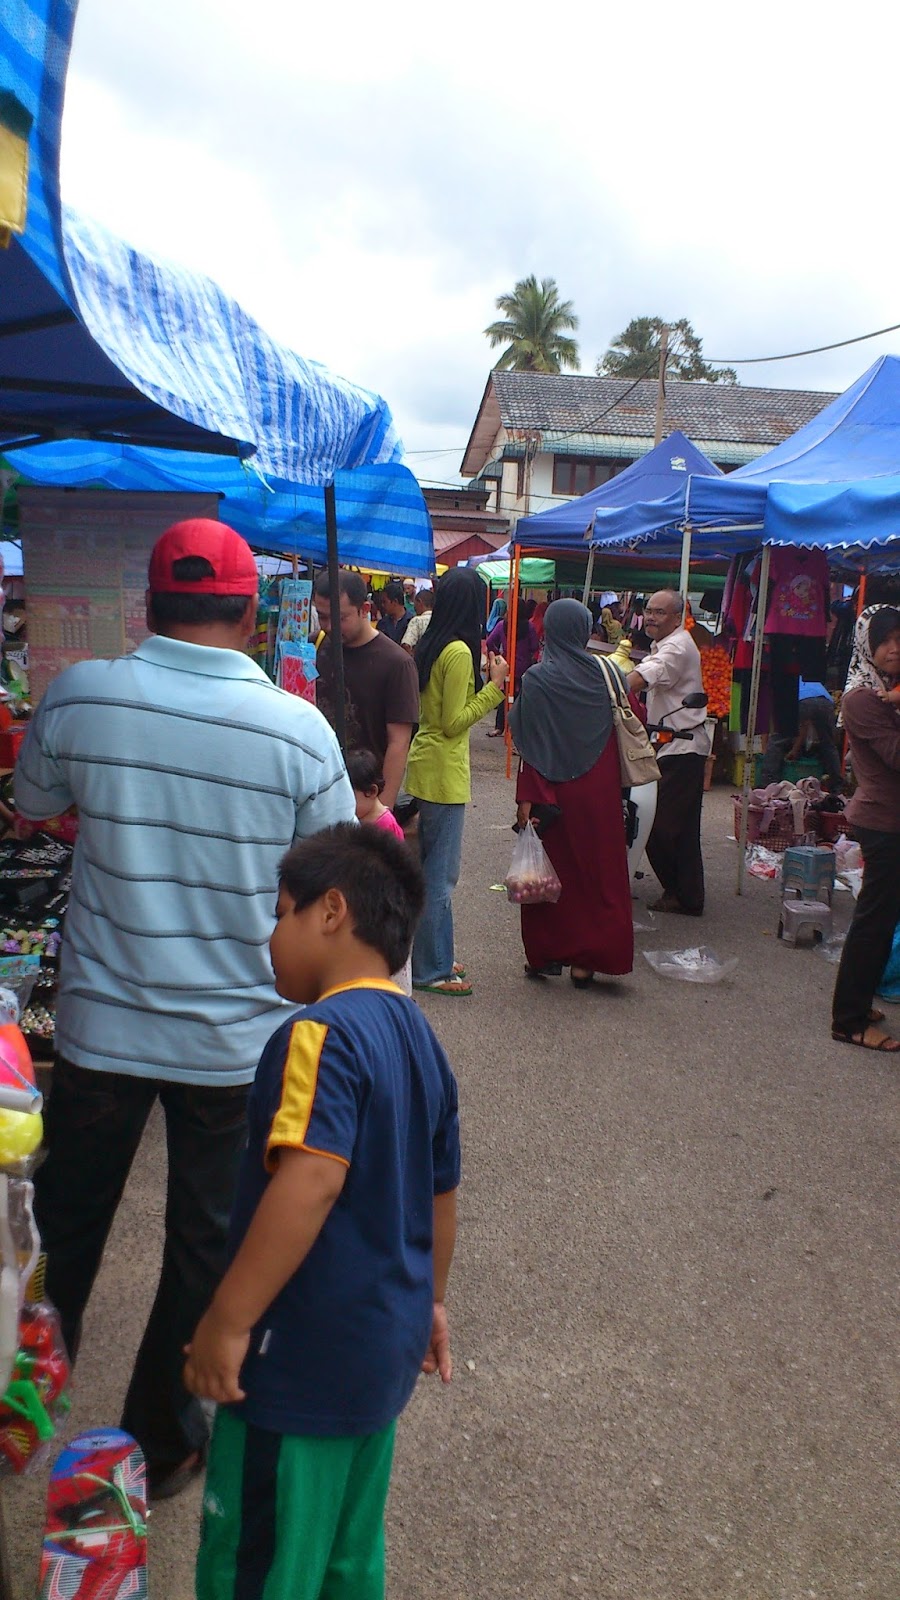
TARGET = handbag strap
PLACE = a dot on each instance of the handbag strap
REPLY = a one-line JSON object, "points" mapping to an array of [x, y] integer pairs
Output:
{"points": [[613, 683]]}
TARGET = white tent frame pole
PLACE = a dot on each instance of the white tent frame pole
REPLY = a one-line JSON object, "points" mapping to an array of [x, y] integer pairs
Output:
{"points": [[684, 576], [762, 602], [588, 576]]}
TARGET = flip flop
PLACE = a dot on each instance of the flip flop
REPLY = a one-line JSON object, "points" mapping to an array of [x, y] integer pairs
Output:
{"points": [[885, 1046], [459, 971], [454, 985]]}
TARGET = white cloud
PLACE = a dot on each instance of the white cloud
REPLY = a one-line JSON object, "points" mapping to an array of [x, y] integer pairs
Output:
{"points": [[366, 181]]}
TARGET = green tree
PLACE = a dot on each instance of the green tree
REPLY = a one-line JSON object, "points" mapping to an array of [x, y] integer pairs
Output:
{"points": [[635, 353], [533, 329]]}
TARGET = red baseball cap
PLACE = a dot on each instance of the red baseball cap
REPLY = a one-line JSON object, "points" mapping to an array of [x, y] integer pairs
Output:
{"points": [[230, 556]]}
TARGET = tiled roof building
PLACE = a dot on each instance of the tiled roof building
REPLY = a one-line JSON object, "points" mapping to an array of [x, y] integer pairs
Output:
{"points": [[542, 437]]}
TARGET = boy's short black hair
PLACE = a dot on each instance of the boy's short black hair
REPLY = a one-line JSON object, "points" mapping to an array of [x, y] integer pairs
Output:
{"points": [[375, 872], [170, 610], [349, 583], [364, 771]]}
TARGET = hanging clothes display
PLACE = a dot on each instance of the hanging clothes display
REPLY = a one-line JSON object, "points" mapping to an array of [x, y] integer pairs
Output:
{"points": [[797, 610], [798, 593]]}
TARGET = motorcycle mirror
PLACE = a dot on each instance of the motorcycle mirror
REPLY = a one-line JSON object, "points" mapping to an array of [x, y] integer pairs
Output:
{"points": [[694, 702]]}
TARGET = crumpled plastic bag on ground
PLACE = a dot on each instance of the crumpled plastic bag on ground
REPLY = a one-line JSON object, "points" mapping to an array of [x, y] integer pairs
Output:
{"points": [[833, 948], [762, 863], [697, 965]]}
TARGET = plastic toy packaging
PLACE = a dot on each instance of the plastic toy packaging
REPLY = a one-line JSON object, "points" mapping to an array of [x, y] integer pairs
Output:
{"points": [[21, 1130], [36, 1399], [532, 878], [699, 965]]}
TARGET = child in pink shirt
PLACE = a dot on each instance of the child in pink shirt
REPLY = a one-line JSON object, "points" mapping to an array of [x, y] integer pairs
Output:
{"points": [[367, 778]]}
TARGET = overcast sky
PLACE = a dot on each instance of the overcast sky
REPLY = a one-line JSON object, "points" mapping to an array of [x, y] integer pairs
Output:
{"points": [[367, 179]]}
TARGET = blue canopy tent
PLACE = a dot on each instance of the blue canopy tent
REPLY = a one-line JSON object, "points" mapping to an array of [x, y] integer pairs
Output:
{"points": [[659, 473], [834, 485], [378, 508], [99, 342]]}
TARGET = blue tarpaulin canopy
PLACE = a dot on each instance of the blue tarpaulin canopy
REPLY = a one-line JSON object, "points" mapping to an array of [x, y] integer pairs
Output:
{"points": [[834, 485], [662, 470], [98, 342], [379, 509]]}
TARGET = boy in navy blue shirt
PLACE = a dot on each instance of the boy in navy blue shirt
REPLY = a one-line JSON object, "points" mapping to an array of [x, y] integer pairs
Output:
{"points": [[342, 1237]]}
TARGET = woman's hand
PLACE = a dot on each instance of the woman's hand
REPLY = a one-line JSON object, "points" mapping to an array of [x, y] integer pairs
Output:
{"points": [[498, 669], [523, 813]]}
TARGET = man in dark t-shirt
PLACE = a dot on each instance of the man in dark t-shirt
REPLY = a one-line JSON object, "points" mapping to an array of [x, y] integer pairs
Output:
{"points": [[395, 618], [381, 684]]}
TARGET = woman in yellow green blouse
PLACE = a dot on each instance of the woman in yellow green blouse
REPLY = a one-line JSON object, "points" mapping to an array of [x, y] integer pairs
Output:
{"points": [[451, 701]]}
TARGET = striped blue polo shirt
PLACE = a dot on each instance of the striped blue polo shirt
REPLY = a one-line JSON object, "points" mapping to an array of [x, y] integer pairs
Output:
{"points": [[192, 775]]}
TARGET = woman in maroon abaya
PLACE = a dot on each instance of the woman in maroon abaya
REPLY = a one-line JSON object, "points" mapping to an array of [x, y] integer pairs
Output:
{"points": [[562, 725]]}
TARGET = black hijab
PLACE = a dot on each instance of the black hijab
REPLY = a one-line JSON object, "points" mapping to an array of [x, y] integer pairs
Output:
{"points": [[460, 603], [563, 717]]}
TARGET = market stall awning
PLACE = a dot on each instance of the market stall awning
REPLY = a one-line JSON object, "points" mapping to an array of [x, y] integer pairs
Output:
{"points": [[564, 528], [382, 517], [533, 573], [56, 380], [830, 486], [99, 341]]}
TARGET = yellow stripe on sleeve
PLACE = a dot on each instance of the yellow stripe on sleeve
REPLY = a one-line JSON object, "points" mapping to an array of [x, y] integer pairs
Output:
{"points": [[298, 1087]]}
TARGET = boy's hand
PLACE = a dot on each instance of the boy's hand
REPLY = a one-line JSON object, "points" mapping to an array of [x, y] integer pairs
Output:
{"points": [[215, 1356], [438, 1358]]}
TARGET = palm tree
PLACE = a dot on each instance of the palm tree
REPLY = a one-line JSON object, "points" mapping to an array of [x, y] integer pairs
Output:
{"points": [[532, 331], [634, 353]]}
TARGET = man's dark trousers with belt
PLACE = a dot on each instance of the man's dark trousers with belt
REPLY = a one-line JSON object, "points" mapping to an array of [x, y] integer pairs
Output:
{"points": [[673, 848]]}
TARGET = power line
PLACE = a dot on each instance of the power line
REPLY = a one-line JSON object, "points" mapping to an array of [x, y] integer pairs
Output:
{"points": [[819, 349]]}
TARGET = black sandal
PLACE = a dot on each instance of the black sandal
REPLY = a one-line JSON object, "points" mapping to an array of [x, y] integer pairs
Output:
{"points": [[886, 1045], [553, 969], [582, 980]]}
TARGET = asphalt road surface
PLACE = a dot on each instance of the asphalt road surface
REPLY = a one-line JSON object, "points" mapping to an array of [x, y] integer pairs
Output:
{"points": [[674, 1308]]}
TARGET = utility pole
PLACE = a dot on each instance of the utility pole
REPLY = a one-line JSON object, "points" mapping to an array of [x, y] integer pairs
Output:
{"points": [[661, 384]]}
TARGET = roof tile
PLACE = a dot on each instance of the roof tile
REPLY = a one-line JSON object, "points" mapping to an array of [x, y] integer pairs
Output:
{"points": [[735, 413]]}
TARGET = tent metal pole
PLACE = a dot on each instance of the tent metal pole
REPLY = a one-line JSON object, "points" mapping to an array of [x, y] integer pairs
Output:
{"points": [[512, 612], [588, 576], [762, 601], [334, 600], [684, 576]]}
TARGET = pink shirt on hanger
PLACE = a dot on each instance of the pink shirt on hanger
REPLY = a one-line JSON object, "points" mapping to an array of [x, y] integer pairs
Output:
{"points": [[798, 585]]}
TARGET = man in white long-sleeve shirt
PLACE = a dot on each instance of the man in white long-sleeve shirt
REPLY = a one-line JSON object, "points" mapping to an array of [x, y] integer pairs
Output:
{"points": [[669, 674]]}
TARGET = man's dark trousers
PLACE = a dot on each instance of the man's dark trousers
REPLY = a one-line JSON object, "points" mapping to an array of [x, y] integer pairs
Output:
{"points": [[94, 1123], [673, 848]]}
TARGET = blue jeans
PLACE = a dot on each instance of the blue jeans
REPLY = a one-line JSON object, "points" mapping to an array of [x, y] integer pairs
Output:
{"points": [[440, 850]]}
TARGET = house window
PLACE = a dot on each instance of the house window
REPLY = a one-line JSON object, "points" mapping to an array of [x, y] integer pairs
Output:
{"points": [[579, 474]]}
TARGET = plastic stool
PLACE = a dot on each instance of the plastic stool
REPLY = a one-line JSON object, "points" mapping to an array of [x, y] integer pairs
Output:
{"points": [[797, 914], [809, 872]]}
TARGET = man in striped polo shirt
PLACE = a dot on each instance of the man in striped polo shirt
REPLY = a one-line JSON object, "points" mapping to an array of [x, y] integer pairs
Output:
{"points": [[192, 775]]}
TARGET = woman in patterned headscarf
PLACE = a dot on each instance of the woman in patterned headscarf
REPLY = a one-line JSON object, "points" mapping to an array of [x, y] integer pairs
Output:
{"points": [[872, 720]]}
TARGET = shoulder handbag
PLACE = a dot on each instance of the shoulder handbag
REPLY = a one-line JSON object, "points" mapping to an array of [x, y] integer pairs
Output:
{"points": [[637, 763]]}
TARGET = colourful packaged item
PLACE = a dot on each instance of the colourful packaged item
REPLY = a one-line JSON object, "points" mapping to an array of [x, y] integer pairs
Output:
{"points": [[35, 1399], [95, 1539]]}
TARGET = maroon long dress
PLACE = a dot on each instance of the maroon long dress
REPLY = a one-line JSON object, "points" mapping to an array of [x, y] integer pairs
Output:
{"points": [[591, 924]]}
